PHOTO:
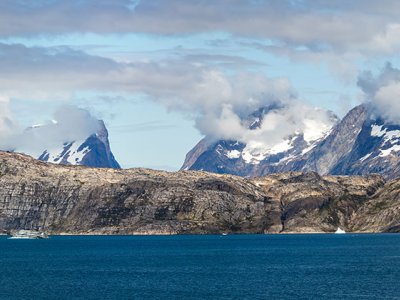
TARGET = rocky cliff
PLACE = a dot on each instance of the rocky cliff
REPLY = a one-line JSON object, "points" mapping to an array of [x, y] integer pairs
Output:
{"points": [[77, 199]]}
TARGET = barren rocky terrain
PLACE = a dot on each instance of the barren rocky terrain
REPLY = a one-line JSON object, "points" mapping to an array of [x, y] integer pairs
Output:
{"points": [[81, 200]]}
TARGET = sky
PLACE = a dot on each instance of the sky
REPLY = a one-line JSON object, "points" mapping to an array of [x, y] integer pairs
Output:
{"points": [[164, 74]]}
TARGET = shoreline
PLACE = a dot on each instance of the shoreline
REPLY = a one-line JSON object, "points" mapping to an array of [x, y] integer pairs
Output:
{"points": [[204, 234]]}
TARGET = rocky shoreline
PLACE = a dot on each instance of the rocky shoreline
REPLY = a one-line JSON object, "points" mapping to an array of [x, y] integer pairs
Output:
{"points": [[80, 200]]}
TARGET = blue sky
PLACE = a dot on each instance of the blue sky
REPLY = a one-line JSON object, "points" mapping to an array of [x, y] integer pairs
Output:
{"points": [[161, 73]]}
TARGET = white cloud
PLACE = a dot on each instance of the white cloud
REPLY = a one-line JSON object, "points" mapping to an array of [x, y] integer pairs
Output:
{"points": [[218, 102], [69, 124], [387, 101], [383, 91], [279, 123], [8, 126]]}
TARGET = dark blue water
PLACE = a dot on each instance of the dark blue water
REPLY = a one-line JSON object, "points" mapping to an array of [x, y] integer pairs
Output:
{"points": [[202, 267]]}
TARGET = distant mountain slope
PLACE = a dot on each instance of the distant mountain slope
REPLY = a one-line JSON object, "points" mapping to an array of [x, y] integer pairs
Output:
{"points": [[359, 144]]}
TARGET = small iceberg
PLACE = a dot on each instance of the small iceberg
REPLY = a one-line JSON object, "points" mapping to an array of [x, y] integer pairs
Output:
{"points": [[340, 231]]}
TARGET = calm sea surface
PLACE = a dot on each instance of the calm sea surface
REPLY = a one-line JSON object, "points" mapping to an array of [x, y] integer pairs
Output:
{"points": [[202, 267]]}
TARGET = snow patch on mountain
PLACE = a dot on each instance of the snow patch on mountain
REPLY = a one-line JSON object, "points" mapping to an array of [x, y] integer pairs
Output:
{"points": [[376, 130], [365, 157], [309, 148], [391, 139], [75, 157], [315, 130], [255, 152], [386, 152], [70, 152], [389, 135], [233, 154]]}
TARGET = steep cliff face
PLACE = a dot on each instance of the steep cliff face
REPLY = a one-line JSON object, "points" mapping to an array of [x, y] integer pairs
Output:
{"points": [[76, 199], [338, 144], [381, 213], [312, 203], [73, 199]]}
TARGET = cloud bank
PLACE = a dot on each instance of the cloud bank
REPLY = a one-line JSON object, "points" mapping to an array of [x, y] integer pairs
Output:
{"points": [[218, 102], [383, 91], [343, 26], [8, 127], [69, 124]]}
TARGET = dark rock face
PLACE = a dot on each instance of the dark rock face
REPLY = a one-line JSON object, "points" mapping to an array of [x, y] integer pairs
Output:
{"points": [[312, 203], [100, 155], [76, 199], [211, 159], [381, 213], [331, 151], [360, 144]]}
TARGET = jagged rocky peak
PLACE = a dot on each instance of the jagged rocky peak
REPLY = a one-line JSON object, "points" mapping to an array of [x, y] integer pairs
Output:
{"points": [[338, 143], [376, 147], [269, 153], [93, 150]]}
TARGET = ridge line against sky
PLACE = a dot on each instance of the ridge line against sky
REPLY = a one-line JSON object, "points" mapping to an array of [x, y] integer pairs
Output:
{"points": [[191, 68]]}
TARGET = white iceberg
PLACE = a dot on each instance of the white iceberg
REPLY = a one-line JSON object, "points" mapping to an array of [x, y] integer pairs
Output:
{"points": [[339, 231]]}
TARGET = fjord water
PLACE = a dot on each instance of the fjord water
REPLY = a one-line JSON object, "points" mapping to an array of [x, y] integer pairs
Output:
{"points": [[326, 266]]}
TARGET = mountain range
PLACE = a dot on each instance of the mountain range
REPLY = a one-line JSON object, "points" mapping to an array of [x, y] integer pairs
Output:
{"points": [[359, 144]]}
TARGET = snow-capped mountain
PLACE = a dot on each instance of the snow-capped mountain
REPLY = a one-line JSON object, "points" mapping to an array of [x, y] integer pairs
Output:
{"points": [[359, 144], [93, 151], [257, 158]]}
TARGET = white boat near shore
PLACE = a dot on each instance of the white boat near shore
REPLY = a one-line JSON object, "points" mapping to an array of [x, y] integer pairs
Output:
{"points": [[28, 234]]}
